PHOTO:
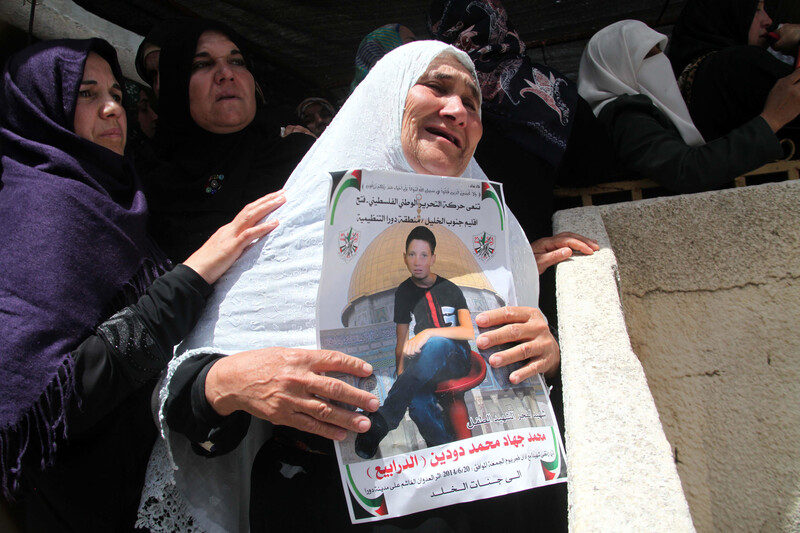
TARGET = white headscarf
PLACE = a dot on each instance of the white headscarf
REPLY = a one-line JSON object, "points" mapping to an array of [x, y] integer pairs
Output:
{"points": [[268, 298], [614, 64]]}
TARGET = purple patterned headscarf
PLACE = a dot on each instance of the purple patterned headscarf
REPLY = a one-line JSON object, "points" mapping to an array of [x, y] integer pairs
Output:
{"points": [[73, 240], [533, 104]]}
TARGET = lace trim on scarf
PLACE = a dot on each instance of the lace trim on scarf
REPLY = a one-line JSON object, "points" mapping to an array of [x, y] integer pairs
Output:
{"points": [[162, 507]]}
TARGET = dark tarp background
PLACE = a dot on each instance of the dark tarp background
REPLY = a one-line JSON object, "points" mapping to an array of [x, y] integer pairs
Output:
{"points": [[307, 47]]}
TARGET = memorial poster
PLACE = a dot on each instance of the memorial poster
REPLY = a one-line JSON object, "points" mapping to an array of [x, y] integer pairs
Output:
{"points": [[471, 434]]}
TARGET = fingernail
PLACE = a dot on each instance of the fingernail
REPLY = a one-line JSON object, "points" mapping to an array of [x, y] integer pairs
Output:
{"points": [[366, 367], [494, 361], [481, 319], [340, 435], [363, 425], [373, 404], [482, 342]]}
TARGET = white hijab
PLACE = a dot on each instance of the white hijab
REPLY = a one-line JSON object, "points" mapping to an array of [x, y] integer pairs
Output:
{"points": [[614, 64], [268, 298]]}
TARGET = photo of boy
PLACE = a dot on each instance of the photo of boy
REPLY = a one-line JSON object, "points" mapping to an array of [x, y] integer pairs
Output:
{"points": [[438, 351]]}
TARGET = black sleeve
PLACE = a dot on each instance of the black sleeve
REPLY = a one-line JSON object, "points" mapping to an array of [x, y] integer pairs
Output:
{"points": [[649, 146], [188, 412], [134, 346]]}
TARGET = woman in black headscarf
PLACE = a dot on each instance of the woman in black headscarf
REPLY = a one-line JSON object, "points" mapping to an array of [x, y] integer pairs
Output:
{"points": [[718, 52], [86, 326], [219, 153]]}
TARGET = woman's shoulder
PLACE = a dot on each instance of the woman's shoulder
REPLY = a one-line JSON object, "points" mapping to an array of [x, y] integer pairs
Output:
{"points": [[627, 105]]}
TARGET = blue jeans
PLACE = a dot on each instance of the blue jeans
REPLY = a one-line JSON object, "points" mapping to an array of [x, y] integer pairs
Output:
{"points": [[440, 359]]}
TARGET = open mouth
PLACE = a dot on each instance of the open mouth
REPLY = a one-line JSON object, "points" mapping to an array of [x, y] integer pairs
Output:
{"points": [[444, 134]]}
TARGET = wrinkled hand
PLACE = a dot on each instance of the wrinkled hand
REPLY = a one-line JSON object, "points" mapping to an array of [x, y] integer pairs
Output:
{"points": [[414, 345], [783, 101], [789, 37], [295, 128], [225, 246], [285, 386], [549, 251], [527, 326]]}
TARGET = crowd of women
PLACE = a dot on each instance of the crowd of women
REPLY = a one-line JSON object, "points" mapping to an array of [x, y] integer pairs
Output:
{"points": [[110, 261]]}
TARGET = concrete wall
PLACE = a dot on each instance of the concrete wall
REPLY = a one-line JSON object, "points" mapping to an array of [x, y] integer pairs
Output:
{"points": [[62, 19], [708, 285]]}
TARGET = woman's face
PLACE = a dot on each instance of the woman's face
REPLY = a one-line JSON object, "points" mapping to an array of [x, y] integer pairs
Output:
{"points": [[147, 118], [316, 117], [441, 122], [221, 89], [99, 115], [758, 28]]}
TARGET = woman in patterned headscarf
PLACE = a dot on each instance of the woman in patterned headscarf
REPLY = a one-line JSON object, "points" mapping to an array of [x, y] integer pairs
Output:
{"points": [[531, 113]]}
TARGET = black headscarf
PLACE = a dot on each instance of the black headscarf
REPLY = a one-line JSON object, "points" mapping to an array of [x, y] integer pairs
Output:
{"points": [[74, 242], [158, 36], [207, 178], [709, 25], [533, 104]]}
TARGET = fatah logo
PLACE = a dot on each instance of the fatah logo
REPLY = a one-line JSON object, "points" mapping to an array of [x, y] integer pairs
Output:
{"points": [[348, 243], [483, 246]]}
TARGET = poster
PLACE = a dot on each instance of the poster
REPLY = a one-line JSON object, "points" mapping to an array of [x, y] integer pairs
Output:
{"points": [[471, 434]]}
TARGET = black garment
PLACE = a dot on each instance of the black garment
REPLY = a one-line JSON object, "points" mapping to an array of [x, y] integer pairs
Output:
{"points": [[207, 178], [650, 146], [731, 86], [708, 25], [96, 481], [205, 184], [433, 307]]}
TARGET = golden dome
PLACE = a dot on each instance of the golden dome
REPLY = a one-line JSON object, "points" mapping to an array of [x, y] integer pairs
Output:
{"points": [[382, 268]]}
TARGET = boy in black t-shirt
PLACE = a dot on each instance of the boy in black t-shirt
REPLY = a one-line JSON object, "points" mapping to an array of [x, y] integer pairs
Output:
{"points": [[438, 350]]}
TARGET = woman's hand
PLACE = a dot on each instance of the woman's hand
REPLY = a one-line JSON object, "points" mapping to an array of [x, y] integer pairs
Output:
{"points": [[788, 38], [225, 246], [295, 128], [783, 101], [286, 387], [527, 326], [549, 251]]}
